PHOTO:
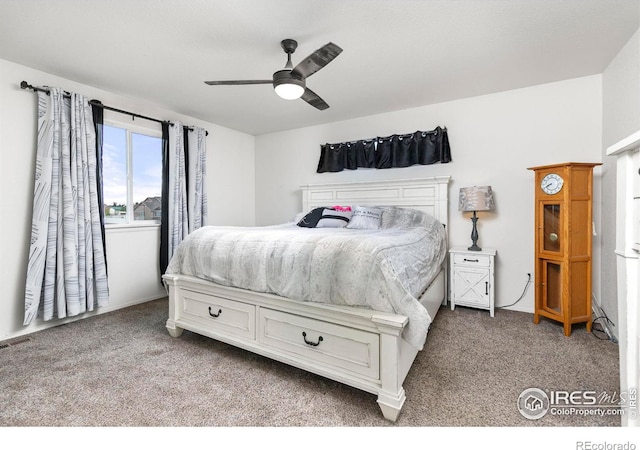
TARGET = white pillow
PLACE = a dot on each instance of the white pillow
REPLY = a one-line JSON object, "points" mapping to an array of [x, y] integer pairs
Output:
{"points": [[365, 218], [334, 219]]}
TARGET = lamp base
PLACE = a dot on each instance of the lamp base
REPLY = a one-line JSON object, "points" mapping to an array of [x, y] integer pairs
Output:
{"points": [[474, 234]]}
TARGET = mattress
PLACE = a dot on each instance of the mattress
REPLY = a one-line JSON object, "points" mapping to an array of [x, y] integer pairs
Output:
{"points": [[386, 269]]}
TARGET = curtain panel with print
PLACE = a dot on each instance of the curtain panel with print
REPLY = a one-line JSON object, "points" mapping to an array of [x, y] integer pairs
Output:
{"points": [[184, 195], [66, 272]]}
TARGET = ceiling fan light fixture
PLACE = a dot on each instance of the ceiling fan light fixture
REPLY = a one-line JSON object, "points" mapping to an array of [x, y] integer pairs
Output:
{"points": [[289, 91], [287, 86], [290, 83]]}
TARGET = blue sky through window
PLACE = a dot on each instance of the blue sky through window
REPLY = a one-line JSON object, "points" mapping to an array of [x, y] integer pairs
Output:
{"points": [[146, 166], [114, 165]]}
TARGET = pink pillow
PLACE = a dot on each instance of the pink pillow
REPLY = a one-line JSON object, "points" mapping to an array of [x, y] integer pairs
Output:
{"points": [[342, 208]]}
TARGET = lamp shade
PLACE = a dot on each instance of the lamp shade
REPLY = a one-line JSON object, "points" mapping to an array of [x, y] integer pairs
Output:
{"points": [[476, 198]]}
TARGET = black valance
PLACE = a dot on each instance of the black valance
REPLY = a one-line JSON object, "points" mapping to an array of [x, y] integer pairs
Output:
{"points": [[347, 155], [421, 147]]}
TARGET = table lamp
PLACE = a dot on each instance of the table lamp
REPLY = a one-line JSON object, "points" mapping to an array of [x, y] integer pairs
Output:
{"points": [[475, 198]]}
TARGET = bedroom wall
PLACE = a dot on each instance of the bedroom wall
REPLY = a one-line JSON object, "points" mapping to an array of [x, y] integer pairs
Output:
{"points": [[132, 252], [620, 118], [494, 138]]}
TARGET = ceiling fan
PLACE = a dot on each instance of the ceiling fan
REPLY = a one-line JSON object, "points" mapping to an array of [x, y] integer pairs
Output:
{"points": [[290, 82]]}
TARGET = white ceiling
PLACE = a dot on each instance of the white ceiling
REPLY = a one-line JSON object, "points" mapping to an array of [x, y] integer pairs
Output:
{"points": [[397, 54]]}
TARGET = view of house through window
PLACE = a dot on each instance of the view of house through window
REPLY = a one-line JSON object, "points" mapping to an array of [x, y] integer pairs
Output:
{"points": [[132, 175]]}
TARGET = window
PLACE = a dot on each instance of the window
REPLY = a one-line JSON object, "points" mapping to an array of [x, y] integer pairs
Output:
{"points": [[132, 175]]}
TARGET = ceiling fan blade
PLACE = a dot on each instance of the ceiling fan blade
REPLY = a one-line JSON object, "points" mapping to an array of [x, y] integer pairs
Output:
{"points": [[314, 100], [237, 82], [317, 60]]}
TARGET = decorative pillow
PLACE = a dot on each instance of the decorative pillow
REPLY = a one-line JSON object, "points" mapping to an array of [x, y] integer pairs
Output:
{"points": [[365, 218], [325, 218], [401, 217], [332, 218], [298, 217]]}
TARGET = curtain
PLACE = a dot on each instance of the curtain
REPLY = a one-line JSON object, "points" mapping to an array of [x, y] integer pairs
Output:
{"points": [[178, 215], [164, 214], [196, 185], [421, 147], [66, 272], [98, 120], [183, 187], [349, 155]]}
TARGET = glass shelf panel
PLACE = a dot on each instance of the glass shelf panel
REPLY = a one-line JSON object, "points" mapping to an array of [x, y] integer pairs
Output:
{"points": [[551, 228]]}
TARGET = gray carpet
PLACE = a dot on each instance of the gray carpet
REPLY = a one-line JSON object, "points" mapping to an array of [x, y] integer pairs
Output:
{"points": [[122, 369]]}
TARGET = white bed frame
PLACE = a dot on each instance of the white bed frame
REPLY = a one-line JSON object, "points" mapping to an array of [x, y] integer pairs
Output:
{"points": [[359, 347]]}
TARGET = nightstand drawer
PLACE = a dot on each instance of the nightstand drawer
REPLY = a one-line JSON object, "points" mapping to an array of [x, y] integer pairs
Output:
{"points": [[471, 260]]}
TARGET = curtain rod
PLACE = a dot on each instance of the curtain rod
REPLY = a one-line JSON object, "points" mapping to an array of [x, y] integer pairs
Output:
{"points": [[387, 138], [25, 85]]}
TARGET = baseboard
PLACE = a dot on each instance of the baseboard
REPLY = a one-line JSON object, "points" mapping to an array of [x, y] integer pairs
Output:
{"points": [[40, 325], [599, 312]]}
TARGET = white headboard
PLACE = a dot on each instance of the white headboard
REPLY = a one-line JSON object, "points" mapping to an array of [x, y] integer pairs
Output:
{"points": [[425, 194]]}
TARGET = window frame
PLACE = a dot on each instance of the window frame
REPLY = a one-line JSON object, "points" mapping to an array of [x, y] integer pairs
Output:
{"points": [[130, 128]]}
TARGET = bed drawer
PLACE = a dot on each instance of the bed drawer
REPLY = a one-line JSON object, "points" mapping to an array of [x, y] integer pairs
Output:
{"points": [[339, 347], [219, 314]]}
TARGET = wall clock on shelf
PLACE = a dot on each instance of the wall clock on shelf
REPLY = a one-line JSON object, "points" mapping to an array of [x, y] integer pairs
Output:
{"points": [[563, 233]]}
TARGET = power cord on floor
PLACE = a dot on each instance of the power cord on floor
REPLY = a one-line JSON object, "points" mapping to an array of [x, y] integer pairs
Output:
{"points": [[595, 326], [526, 286], [600, 328]]}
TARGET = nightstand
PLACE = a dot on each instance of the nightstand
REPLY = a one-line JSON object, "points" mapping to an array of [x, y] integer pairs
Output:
{"points": [[472, 278]]}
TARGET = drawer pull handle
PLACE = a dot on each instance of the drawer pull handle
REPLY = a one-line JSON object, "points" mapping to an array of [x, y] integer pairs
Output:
{"points": [[214, 315], [470, 260], [313, 344]]}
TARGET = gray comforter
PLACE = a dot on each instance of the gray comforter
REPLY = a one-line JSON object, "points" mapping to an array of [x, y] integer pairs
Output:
{"points": [[385, 270]]}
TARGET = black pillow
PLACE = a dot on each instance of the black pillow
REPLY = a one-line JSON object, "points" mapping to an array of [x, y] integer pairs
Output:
{"points": [[324, 217]]}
